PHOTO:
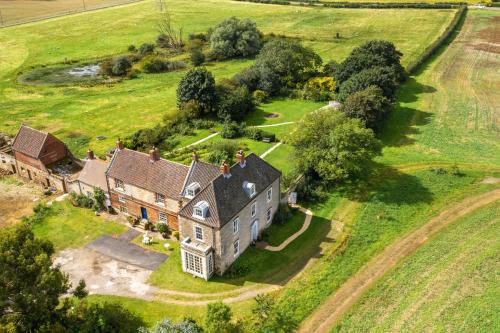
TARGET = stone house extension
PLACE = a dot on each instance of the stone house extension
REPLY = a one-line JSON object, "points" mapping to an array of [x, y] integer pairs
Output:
{"points": [[43, 159], [222, 219]]}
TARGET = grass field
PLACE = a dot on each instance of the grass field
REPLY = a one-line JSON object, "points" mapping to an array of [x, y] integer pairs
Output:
{"points": [[67, 226], [449, 111], [79, 114], [448, 285]]}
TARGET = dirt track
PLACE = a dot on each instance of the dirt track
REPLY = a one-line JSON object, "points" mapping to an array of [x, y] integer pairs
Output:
{"points": [[338, 303]]}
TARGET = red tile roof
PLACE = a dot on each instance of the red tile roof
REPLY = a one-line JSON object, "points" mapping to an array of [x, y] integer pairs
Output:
{"points": [[135, 168], [29, 141]]}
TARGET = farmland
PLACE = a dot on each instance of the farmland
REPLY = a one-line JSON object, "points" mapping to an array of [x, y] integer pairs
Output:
{"points": [[78, 114], [444, 286]]}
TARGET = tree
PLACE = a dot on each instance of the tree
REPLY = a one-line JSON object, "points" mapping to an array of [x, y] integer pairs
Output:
{"points": [[187, 325], [30, 286], [169, 36], [284, 63], [369, 105], [80, 290], [197, 85], [233, 103], [99, 199], [383, 77], [235, 38], [371, 54], [197, 57], [333, 146], [218, 318], [249, 77]]}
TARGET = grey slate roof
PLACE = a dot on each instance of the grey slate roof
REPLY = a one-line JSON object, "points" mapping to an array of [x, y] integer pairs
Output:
{"points": [[135, 168], [226, 196], [29, 141], [94, 174], [201, 173]]}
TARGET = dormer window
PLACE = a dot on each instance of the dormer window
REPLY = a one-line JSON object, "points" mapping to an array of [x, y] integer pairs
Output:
{"points": [[249, 188], [200, 210], [119, 184], [160, 199], [192, 190]]}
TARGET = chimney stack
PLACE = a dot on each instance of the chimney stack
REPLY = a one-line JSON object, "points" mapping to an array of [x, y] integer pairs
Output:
{"points": [[154, 154], [90, 155], [195, 157], [240, 158], [225, 170], [119, 144]]}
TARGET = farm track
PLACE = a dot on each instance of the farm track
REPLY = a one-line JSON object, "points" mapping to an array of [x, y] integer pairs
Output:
{"points": [[339, 302]]}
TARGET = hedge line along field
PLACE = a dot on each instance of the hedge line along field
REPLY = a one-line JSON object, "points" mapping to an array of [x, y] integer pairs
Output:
{"points": [[449, 111], [450, 284], [79, 114]]}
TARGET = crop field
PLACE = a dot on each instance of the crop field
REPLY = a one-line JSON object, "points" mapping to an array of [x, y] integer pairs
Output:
{"points": [[450, 284], [449, 111], [78, 114], [18, 11]]}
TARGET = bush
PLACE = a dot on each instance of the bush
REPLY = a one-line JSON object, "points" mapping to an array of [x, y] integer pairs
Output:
{"points": [[254, 133], [132, 48], [234, 38], [249, 77], [223, 150], [197, 57], [283, 214], [203, 123], [80, 200], [158, 65], [268, 136], [231, 130], [176, 235], [163, 229], [260, 96], [146, 49], [233, 103], [121, 66]]}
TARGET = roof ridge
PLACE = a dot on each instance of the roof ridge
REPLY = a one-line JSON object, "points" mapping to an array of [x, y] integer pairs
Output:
{"points": [[161, 158]]}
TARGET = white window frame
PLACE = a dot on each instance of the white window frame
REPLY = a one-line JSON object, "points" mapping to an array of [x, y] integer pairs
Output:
{"points": [[194, 263], [236, 248], [121, 199], [196, 228], [164, 219], [269, 194], [119, 184], [210, 264], [160, 199], [252, 190], [192, 190], [236, 225], [253, 209], [269, 215], [200, 210]]}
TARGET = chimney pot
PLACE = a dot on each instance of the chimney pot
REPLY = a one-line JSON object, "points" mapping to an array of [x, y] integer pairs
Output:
{"points": [[119, 144], [195, 157], [225, 170], [154, 154], [240, 157], [90, 155]]}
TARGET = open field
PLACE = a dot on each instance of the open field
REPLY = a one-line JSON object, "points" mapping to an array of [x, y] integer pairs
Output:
{"points": [[79, 114], [450, 284], [18, 11], [449, 111]]}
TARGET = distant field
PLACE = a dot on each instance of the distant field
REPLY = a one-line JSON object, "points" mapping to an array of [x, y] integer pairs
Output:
{"points": [[403, 1], [19, 11], [450, 111], [448, 285], [79, 114]]}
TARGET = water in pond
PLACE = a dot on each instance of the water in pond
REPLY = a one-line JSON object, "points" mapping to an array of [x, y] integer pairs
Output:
{"points": [[87, 70]]}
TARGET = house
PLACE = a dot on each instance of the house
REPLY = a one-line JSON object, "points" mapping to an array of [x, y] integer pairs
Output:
{"points": [[42, 158], [146, 186], [223, 218]]}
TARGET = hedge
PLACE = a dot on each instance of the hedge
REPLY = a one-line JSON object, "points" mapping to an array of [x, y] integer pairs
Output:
{"points": [[431, 49], [373, 5]]}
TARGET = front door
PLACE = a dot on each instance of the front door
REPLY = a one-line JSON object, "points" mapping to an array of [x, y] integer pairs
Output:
{"points": [[255, 230], [144, 213]]}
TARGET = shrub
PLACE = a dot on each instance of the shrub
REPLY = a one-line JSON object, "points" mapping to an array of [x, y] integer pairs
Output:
{"points": [[197, 57], [268, 136], [80, 200], [254, 133], [249, 77], [158, 65], [234, 38], [146, 48], [260, 96], [176, 234], [233, 103], [203, 123], [231, 130], [121, 65], [223, 150], [131, 48]]}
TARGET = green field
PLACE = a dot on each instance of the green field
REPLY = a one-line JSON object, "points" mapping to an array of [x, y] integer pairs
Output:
{"points": [[449, 285], [79, 114], [449, 112]]}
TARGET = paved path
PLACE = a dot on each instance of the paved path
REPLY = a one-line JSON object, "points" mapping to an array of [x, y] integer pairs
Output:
{"points": [[270, 150], [274, 125], [307, 223], [338, 303], [124, 251], [202, 140]]}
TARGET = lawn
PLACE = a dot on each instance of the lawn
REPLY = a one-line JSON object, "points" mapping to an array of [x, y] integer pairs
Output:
{"points": [[450, 284], [78, 114], [70, 227], [254, 265], [449, 112], [281, 111], [278, 233]]}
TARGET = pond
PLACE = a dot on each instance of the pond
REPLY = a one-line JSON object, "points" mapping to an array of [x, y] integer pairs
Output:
{"points": [[63, 75], [87, 70]]}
